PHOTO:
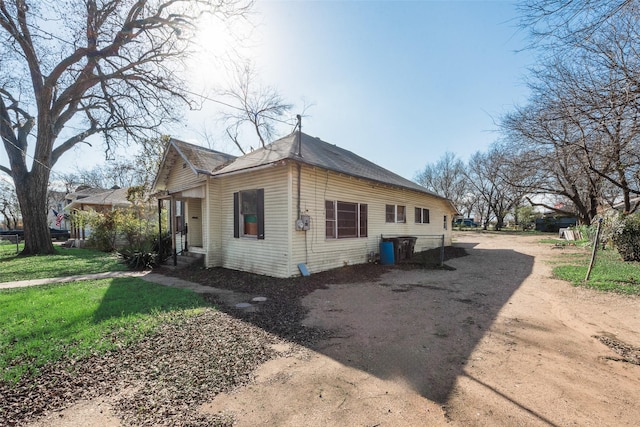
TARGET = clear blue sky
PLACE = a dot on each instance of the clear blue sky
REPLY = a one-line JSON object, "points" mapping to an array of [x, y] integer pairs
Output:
{"points": [[399, 83]]}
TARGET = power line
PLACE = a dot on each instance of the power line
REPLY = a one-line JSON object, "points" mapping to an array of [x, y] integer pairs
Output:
{"points": [[235, 107], [217, 101], [27, 154]]}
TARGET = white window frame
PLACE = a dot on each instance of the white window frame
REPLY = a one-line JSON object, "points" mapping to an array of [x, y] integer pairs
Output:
{"points": [[395, 214]]}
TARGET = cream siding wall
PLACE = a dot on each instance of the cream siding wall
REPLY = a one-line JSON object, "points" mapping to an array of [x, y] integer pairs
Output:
{"points": [[270, 256], [212, 227], [182, 178], [319, 253], [283, 247]]}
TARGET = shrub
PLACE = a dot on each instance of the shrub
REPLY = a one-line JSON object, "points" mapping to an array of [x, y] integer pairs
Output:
{"points": [[626, 237], [148, 254], [104, 230], [588, 232], [139, 258]]}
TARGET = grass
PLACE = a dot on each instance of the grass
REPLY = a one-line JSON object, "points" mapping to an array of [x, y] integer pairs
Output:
{"points": [[65, 262], [7, 248], [610, 273], [44, 324]]}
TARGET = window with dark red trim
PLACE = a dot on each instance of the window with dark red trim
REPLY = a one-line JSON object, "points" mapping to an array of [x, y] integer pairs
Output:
{"points": [[345, 220]]}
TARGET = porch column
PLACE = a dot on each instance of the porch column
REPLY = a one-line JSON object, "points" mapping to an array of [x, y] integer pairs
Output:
{"points": [[173, 230]]}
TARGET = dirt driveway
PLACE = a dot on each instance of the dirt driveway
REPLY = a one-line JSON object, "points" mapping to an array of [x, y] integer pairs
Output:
{"points": [[495, 342]]}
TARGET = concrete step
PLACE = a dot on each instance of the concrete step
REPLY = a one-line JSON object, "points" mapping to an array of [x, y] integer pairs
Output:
{"points": [[186, 259]]}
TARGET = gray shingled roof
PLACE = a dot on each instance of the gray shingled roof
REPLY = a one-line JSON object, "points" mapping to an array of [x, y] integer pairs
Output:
{"points": [[113, 198], [316, 152], [202, 160], [82, 192]]}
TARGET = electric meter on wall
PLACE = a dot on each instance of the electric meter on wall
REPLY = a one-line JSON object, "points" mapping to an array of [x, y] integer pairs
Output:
{"points": [[303, 223]]}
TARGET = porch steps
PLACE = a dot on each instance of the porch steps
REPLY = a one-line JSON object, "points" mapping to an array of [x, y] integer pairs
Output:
{"points": [[186, 259]]}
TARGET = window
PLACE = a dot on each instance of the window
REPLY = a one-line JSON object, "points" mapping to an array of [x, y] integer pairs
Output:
{"points": [[445, 222], [248, 207], [330, 221], [422, 216], [395, 213], [390, 213], [345, 220], [363, 220], [401, 214]]}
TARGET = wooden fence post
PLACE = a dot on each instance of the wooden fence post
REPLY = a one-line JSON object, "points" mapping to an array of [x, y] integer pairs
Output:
{"points": [[595, 249]]}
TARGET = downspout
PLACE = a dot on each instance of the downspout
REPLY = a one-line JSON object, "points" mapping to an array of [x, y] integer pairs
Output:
{"points": [[306, 253], [299, 164]]}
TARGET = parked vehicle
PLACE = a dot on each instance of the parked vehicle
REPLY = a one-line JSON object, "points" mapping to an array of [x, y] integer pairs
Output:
{"points": [[56, 233], [465, 222], [60, 234]]}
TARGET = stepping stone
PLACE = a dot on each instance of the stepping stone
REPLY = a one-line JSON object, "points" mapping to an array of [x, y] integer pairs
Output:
{"points": [[244, 305], [259, 299]]}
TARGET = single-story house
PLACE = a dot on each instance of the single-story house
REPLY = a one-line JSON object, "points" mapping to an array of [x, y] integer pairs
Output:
{"points": [[94, 199], [298, 201]]}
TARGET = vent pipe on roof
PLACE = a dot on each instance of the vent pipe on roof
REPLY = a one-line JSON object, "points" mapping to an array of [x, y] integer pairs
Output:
{"points": [[299, 117]]}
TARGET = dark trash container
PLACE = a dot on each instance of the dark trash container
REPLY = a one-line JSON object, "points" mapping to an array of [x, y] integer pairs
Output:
{"points": [[403, 246]]}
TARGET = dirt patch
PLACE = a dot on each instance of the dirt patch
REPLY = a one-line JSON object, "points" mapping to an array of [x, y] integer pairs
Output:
{"points": [[496, 341]]}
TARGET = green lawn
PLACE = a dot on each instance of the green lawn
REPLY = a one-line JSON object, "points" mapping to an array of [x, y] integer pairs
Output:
{"points": [[46, 323], [65, 262], [610, 272]]}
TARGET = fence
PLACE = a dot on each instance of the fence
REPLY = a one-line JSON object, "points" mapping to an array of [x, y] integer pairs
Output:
{"points": [[9, 245]]}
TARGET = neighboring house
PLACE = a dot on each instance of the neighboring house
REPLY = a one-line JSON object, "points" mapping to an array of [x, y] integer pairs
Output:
{"points": [[56, 201], [94, 199], [98, 199], [295, 201]]}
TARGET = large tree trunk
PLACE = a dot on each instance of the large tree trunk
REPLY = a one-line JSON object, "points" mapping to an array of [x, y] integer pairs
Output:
{"points": [[31, 190]]}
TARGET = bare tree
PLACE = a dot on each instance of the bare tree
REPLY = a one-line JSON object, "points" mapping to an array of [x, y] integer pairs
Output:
{"points": [[546, 149], [71, 69], [446, 178], [580, 133], [560, 24], [135, 171], [261, 108], [486, 174]]}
